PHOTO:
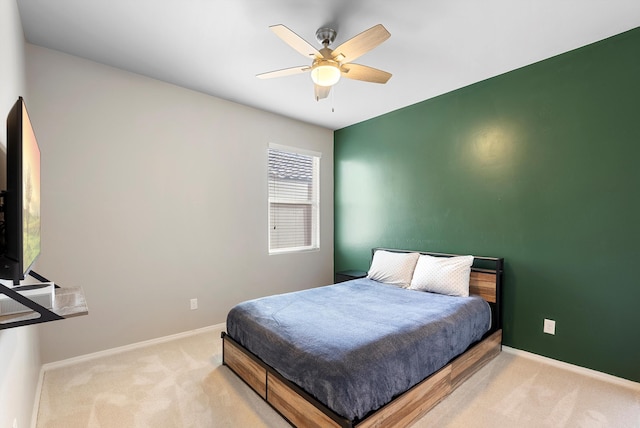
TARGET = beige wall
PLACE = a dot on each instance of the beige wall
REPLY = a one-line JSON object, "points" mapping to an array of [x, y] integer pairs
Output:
{"points": [[19, 354], [153, 194]]}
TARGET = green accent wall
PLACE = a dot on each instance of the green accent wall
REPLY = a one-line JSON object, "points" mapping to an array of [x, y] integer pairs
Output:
{"points": [[540, 166]]}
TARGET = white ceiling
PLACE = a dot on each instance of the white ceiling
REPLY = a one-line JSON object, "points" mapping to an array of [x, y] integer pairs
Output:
{"points": [[217, 47]]}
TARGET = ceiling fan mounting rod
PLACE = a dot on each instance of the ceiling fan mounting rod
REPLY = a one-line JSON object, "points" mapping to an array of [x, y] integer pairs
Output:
{"points": [[326, 36]]}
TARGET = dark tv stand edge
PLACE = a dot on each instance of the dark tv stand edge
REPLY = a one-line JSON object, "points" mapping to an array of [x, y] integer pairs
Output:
{"points": [[67, 302]]}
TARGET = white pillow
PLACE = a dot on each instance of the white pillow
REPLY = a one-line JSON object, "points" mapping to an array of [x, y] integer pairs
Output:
{"points": [[393, 268], [443, 275]]}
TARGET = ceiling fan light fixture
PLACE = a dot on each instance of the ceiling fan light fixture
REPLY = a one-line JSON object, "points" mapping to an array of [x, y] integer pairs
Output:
{"points": [[325, 73]]}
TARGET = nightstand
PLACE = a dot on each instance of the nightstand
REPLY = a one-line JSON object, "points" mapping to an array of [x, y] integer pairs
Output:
{"points": [[348, 275]]}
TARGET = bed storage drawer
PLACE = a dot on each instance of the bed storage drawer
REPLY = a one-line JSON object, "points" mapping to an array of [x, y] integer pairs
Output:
{"points": [[294, 407], [253, 373], [413, 404], [467, 364]]}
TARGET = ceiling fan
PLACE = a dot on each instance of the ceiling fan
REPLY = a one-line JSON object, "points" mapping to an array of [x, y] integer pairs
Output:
{"points": [[329, 64]]}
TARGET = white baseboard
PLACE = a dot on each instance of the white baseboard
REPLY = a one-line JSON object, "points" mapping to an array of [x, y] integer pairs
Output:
{"points": [[120, 349], [36, 402], [576, 369]]}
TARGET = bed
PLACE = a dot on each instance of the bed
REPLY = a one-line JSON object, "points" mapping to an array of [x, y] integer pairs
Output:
{"points": [[377, 351]]}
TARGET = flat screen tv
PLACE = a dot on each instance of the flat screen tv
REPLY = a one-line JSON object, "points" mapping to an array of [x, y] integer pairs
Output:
{"points": [[20, 237]]}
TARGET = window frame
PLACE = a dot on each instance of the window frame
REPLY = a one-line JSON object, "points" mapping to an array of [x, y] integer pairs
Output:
{"points": [[314, 202]]}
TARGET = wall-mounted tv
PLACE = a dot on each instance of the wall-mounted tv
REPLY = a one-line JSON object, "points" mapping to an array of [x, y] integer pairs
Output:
{"points": [[20, 232]]}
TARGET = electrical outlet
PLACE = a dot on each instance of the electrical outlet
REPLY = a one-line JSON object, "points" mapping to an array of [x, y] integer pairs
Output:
{"points": [[15, 422], [549, 326], [194, 304]]}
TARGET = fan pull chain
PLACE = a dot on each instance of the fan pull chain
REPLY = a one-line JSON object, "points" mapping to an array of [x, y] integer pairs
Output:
{"points": [[332, 100]]}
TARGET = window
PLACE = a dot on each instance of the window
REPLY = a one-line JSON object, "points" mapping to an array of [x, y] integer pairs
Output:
{"points": [[294, 200]]}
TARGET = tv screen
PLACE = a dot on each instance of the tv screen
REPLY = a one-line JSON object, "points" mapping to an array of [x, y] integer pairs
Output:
{"points": [[21, 203], [30, 193]]}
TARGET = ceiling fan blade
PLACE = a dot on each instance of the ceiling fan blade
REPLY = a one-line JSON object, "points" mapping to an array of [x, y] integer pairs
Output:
{"points": [[361, 44], [295, 41], [365, 73], [284, 72], [321, 92]]}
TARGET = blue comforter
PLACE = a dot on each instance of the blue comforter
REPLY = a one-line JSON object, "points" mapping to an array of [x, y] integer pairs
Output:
{"points": [[356, 345]]}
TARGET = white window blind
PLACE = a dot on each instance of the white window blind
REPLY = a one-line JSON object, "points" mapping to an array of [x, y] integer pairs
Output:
{"points": [[293, 200]]}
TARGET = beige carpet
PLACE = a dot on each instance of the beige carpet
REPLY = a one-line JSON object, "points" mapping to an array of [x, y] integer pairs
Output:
{"points": [[181, 383]]}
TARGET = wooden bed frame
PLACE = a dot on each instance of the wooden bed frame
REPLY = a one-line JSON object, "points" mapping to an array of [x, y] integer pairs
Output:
{"points": [[302, 410]]}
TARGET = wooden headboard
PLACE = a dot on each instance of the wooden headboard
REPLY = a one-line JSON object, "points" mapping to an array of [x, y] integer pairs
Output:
{"points": [[485, 280]]}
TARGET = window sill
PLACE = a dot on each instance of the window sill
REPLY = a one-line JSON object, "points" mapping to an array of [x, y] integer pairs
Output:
{"points": [[294, 250]]}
